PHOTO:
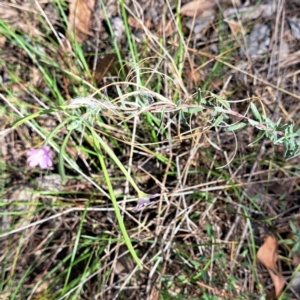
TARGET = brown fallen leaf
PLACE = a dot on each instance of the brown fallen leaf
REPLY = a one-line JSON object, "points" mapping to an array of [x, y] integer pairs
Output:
{"points": [[137, 25], [193, 75], [235, 27], [194, 8], [247, 13], [80, 17], [267, 254], [168, 29], [107, 65], [296, 259]]}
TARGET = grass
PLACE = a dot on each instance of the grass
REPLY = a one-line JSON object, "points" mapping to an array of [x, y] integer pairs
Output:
{"points": [[145, 131]]}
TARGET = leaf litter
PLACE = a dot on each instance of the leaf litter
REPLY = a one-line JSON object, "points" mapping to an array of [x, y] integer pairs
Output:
{"points": [[204, 211], [267, 254], [80, 18]]}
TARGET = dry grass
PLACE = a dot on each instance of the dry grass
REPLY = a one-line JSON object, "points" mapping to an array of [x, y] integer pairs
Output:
{"points": [[199, 239]]}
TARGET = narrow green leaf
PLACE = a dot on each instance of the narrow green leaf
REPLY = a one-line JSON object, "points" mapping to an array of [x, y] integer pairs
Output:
{"points": [[269, 123], [97, 142], [285, 147], [260, 137], [292, 144], [218, 108], [291, 128], [162, 116], [293, 227], [218, 120], [37, 114], [178, 103], [278, 122], [221, 100], [182, 117], [27, 118], [61, 166], [282, 127], [200, 100], [192, 110], [293, 135], [236, 126], [255, 111], [296, 153], [252, 122], [57, 128]]}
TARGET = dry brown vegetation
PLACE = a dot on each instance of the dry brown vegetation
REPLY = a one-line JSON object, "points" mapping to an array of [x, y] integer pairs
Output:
{"points": [[226, 220]]}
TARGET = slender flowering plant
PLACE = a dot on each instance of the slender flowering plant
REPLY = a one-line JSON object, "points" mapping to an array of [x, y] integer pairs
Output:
{"points": [[145, 200], [41, 157]]}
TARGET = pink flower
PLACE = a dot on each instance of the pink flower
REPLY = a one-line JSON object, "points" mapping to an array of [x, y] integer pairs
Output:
{"points": [[145, 201], [40, 157]]}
